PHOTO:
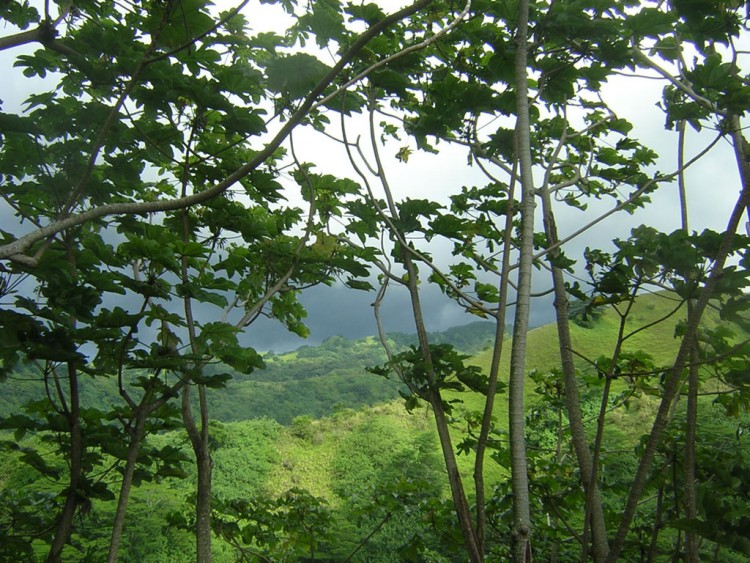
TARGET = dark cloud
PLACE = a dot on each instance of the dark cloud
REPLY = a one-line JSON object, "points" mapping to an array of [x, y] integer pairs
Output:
{"points": [[342, 311], [338, 310]]}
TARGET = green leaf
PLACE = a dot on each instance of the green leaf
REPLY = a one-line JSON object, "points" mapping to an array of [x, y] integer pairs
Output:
{"points": [[185, 21], [359, 284], [391, 81], [244, 123], [295, 75], [369, 13], [213, 381], [486, 292], [651, 22], [325, 20], [410, 210], [190, 249]]}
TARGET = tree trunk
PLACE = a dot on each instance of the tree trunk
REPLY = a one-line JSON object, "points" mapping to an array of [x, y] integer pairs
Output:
{"points": [[460, 502], [497, 353], [134, 447], [521, 531], [672, 382], [205, 466], [199, 443], [600, 546], [691, 431], [691, 422], [65, 522], [458, 494]]}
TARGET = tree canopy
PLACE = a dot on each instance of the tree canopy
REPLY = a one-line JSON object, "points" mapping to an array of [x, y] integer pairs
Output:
{"points": [[156, 201]]}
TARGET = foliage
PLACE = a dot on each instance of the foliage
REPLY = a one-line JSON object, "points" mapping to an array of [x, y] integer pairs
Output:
{"points": [[256, 461], [155, 205], [583, 314]]}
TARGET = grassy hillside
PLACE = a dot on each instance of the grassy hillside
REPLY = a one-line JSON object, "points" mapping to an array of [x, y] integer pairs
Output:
{"points": [[650, 329], [648, 335], [658, 340], [306, 455]]}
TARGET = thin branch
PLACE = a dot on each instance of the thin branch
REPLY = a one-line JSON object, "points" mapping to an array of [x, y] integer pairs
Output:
{"points": [[657, 321], [44, 33], [253, 312], [200, 36], [682, 86], [633, 197]]}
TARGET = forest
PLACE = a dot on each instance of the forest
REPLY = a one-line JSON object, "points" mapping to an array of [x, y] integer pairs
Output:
{"points": [[175, 173]]}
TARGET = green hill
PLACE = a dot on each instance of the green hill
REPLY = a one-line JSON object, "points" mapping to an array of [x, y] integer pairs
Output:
{"points": [[318, 380]]}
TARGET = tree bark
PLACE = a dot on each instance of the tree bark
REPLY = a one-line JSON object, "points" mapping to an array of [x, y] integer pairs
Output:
{"points": [[691, 416], [134, 447], [521, 531], [200, 445], [691, 435], [600, 546], [205, 467], [497, 353]]}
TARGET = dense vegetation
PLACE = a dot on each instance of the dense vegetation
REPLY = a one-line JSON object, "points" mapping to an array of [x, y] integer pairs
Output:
{"points": [[361, 481], [171, 171]]}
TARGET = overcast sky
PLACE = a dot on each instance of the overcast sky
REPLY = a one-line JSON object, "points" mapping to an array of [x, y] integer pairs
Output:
{"points": [[712, 186]]}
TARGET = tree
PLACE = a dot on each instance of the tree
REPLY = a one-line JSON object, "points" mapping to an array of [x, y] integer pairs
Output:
{"points": [[462, 85], [147, 171], [126, 168]]}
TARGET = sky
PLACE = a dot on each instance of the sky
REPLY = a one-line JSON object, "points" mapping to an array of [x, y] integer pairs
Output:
{"points": [[712, 187]]}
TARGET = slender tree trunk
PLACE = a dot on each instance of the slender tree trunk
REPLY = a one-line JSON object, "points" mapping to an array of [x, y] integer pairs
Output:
{"points": [[205, 467], [458, 494], [600, 546], [65, 522], [134, 447], [677, 504], [198, 438], [199, 443], [672, 382], [521, 531], [141, 412], [460, 502], [657, 526], [691, 416], [691, 431], [497, 353]]}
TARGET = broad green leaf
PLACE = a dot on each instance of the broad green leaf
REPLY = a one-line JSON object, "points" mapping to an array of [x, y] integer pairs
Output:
{"points": [[295, 75]]}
